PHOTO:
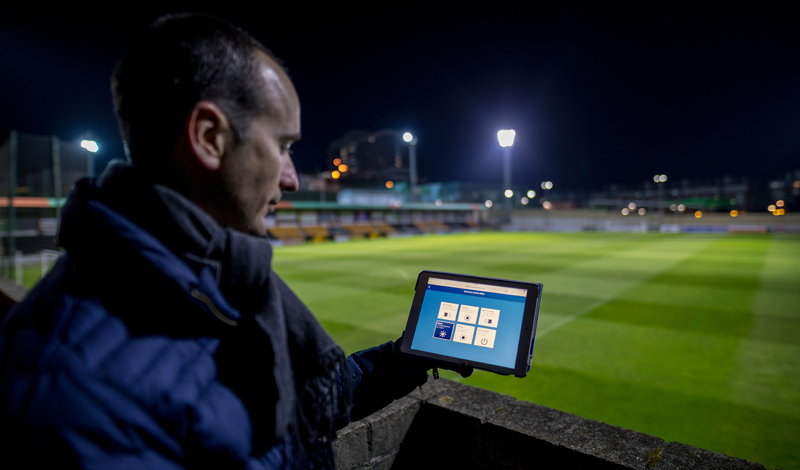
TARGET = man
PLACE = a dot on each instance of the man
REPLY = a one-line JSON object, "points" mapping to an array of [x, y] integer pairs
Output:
{"points": [[163, 339]]}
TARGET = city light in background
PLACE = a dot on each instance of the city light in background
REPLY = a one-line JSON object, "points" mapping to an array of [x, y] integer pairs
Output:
{"points": [[524, 201], [488, 203], [531, 193], [508, 193]]}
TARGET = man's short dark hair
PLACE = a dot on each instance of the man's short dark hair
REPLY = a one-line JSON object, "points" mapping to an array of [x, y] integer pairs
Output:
{"points": [[180, 60]]}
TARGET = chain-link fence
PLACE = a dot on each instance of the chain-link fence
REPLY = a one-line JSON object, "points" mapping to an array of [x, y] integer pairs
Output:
{"points": [[36, 174]]}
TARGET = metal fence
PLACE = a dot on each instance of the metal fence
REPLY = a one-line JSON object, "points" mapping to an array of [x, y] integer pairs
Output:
{"points": [[36, 174]]}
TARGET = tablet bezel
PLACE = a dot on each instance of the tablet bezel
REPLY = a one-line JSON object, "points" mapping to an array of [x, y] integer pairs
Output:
{"points": [[527, 333]]}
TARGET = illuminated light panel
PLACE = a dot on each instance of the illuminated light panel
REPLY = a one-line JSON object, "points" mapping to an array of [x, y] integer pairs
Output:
{"points": [[335, 174], [506, 137], [390, 184], [698, 214], [734, 213], [90, 145]]}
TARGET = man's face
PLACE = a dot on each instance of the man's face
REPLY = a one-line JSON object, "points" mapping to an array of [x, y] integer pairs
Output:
{"points": [[256, 172]]}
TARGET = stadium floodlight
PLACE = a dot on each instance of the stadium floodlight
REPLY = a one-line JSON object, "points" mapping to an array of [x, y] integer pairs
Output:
{"points": [[488, 203], [506, 137], [90, 145], [524, 201], [531, 193], [508, 193], [412, 164]]}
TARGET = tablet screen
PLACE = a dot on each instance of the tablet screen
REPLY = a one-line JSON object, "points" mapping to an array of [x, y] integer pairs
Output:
{"points": [[471, 321]]}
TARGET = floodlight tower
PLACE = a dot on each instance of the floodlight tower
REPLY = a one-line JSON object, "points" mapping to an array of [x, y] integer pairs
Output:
{"points": [[91, 148], [412, 163], [506, 139], [660, 180]]}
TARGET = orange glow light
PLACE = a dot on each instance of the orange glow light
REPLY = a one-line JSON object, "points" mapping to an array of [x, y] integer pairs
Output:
{"points": [[698, 214], [779, 203], [337, 161], [771, 208], [335, 174], [734, 213], [547, 205], [390, 184], [343, 168]]}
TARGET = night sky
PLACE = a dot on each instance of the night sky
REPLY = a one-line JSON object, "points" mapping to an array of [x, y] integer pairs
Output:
{"points": [[596, 95]]}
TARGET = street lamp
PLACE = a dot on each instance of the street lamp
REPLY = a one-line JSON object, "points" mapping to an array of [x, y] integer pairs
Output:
{"points": [[506, 139], [91, 148], [412, 163]]}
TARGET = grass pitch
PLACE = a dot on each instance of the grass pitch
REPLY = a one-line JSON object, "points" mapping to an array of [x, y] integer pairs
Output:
{"points": [[692, 338]]}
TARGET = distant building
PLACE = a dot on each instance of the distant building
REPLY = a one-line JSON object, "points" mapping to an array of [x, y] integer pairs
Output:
{"points": [[365, 158]]}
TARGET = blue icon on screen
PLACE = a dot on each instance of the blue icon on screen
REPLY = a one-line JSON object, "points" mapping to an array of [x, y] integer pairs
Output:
{"points": [[443, 330]]}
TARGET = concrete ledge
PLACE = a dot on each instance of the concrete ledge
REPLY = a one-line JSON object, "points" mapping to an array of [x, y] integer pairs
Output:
{"points": [[488, 430]]}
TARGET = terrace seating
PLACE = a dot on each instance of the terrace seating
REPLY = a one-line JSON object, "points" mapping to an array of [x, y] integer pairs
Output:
{"points": [[360, 230], [287, 234], [427, 227], [316, 232], [384, 229]]}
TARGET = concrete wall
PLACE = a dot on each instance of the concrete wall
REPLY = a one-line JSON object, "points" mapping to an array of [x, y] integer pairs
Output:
{"points": [[449, 425]]}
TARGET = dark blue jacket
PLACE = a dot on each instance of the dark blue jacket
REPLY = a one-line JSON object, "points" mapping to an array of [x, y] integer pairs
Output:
{"points": [[175, 347]]}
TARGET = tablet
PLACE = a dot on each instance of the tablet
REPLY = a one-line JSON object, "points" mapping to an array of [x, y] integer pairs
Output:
{"points": [[488, 323]]}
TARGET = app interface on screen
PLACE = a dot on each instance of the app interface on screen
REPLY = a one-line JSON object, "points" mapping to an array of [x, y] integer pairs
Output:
{"points": [[476, 322]]}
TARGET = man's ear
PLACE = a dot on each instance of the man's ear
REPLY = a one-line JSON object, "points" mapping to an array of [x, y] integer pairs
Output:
{"points": [[209, 134]]}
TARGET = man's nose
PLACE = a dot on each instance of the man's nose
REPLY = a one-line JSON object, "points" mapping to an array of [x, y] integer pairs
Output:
{"points": [[289, 181]]}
